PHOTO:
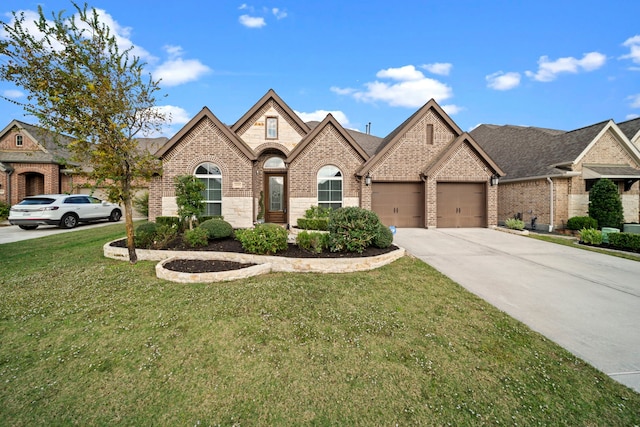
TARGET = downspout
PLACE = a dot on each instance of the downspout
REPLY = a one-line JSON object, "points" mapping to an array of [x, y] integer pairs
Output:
{"points": [[550, 204]]}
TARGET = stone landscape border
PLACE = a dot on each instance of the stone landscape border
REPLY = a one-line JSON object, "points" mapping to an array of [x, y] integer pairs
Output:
{"points": [[277, 263]]}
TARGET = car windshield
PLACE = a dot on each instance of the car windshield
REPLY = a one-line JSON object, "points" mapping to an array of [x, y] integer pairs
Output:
{"points": [[37, 201]]}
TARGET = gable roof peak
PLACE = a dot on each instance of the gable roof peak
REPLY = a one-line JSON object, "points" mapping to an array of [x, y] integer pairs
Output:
{"points": [[270, 95]]}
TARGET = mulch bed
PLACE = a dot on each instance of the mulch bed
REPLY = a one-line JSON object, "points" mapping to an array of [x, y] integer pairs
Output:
{"points": [[232, 245]]}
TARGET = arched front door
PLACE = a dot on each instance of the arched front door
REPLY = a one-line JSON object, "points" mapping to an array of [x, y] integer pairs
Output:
{"points": [[275, 201]]}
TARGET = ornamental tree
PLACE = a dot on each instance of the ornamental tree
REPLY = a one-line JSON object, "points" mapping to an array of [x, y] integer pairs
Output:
{"points": [[189, 191], [78, 82]]}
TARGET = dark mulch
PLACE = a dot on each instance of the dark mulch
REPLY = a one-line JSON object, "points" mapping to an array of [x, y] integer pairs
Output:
{"points": [[203, 266], [293, 251]]}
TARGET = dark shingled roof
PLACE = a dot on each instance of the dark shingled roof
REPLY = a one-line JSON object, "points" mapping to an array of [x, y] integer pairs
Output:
{"points": [[369, 143], [525, 152], [51, 142], [630, 128]]}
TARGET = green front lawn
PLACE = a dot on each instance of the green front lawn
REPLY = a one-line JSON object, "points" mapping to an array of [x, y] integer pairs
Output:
{"points": [[92, 341]]}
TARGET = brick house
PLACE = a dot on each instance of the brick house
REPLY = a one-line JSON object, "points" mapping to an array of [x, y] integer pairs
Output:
{"points": [[425, 173], [31, 162], [549, 172], [34, 161]]}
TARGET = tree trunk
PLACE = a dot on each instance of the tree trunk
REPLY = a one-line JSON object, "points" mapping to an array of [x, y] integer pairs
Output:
{"points": [[128, 216]]}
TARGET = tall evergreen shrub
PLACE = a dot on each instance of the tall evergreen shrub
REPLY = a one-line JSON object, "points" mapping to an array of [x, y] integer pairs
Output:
{"points": [[605, 204]]}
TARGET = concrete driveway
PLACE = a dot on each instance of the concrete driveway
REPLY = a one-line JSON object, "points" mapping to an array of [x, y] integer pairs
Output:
{"points": [[586, 302]]}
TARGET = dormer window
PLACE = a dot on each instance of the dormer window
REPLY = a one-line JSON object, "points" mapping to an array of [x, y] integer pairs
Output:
{"points": [[272, 128], [18, 140]]}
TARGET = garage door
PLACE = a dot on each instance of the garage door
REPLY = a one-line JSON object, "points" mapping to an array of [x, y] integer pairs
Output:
{"points": [[399, 203], [461, 204]]}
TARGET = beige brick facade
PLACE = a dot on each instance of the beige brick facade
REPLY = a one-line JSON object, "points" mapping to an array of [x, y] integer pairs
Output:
{"points": [[240, 151]]}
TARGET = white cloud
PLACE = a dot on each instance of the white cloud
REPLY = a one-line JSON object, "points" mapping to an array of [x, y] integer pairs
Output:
{"points": [[320, 115], [633, 43], [549, 70], [503, 81], [439, 68], [409, 88], [252, 21], [632, 116], [452, 109], [635, 100], [175, 115], [176, 71], [12, 93], [279, 13]]}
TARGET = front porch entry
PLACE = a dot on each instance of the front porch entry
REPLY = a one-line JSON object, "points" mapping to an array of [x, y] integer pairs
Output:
{"points": [[275, 201]]}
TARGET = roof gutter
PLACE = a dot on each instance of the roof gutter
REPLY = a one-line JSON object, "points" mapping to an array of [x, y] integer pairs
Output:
{"points": [[533, 178]]}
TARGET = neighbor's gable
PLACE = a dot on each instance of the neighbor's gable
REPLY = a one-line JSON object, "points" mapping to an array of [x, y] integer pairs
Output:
{"points": [[609, 148], [8, 140]]}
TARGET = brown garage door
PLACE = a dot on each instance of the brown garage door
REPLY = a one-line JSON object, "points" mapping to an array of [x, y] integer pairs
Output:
{"points": [[399, 203], [461, 204]]}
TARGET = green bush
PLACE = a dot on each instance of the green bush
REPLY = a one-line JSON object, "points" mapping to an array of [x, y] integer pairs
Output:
{"points": [[204, 218], [591, 236], [313, 223], [164, 235], [170, 221], [352, 229], [263, 239], [196, 237], [514, 224], [145, 234], [605, 204], [141, 203], [317, 212], [580, 222], [4, 210], [313, 241], [217, 228], [383, 238], [625, 241]]}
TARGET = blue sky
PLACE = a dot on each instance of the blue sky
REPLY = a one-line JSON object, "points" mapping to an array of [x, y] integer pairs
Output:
{"points": [[557, 64]]}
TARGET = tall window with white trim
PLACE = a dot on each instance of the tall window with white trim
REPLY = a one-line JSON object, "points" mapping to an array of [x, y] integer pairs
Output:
{"points": [[211, 177], [330, 187]]}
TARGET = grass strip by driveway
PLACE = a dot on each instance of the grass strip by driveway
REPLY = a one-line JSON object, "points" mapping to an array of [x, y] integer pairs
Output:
{"points": [[93, 341]]}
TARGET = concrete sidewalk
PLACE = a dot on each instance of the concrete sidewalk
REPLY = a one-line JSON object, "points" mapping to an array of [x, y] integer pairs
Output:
{"points": [[589, 303]]}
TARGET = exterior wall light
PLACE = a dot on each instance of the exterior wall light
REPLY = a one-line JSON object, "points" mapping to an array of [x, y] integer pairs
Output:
{"points": [[494, 180], [367, 180]]}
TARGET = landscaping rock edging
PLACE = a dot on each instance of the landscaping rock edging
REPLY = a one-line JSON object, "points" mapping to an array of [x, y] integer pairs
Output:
{"points": [[217, 276], [279, 264]]}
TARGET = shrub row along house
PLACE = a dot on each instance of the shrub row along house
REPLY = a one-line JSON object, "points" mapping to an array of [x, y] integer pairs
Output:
{"points": [[426, 173]]}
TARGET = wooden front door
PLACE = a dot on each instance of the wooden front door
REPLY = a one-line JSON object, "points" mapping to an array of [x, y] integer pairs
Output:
{"points": [[275, 201]]}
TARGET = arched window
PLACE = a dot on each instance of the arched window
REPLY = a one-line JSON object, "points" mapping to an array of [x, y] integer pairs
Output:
{"points": [[211, 177], [274, 163], [330, 187]]}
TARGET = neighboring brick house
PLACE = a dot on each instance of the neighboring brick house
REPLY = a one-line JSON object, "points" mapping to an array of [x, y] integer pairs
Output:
{"points": [[549, 172], [31, 162], [426, 173], [34, 161]]}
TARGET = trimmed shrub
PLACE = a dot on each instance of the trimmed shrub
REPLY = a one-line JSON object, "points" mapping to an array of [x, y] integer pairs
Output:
{"points": [[263, 239], [580, 222], [313, 241], [217, 228], [384, 237], [514, 224], [591, 236], [321, 224], [204, 218], [605, 204], [170, 221], [4, 210], [164, 234], [196, 237], [145, 234], [352, 229], [625, 241]]}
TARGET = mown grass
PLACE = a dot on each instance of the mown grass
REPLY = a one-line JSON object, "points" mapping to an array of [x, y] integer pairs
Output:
{"points": [[93, 341], [572, 243]]}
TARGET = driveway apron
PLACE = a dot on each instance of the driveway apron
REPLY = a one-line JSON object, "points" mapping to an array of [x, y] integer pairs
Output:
{"points": [[589, 303]]}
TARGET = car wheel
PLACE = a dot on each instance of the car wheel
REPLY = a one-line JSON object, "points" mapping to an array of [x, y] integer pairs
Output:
{"points": [[115, 215], [69, 221], [28, 227]]}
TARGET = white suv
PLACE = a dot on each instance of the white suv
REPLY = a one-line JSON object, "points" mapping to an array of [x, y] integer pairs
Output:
{"points": [[63, 210]]}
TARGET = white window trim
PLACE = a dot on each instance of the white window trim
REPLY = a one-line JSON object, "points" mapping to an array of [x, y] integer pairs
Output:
{"points": [[209, 176], [19, 140], [330, 178]]}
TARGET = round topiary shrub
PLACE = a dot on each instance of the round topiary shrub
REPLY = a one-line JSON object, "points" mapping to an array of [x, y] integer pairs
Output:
{"points": [[352, 229], [580, 222], [263, 239], [217, 228], [145, 234], [384, 237]]}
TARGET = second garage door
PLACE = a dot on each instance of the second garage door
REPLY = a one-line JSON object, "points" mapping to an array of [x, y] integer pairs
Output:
{"points": [[461, 204], [399, 203]]}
